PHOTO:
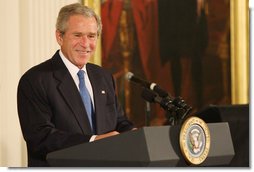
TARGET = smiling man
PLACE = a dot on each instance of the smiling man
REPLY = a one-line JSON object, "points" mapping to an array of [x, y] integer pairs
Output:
{"points": [[65, 100]]}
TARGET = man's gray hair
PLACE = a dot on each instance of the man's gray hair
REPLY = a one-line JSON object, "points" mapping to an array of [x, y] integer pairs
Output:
{"points": [[75, 9]]}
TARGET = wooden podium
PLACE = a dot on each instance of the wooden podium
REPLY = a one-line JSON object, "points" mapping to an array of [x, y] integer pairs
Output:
{"points": [[147, 146]]}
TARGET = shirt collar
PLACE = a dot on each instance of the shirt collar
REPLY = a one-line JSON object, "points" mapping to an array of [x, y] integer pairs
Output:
{"points": [[70, 66]]}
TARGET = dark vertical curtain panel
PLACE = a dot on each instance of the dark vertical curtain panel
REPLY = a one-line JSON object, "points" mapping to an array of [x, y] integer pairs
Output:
{"points": [[110, 15], [146, 22]]}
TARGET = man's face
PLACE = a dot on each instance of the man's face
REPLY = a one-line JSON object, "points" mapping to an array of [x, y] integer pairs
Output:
{"points": [[78, 43]]}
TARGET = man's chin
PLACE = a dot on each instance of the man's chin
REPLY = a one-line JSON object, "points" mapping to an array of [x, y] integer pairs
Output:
{"points": [[82, 63]]}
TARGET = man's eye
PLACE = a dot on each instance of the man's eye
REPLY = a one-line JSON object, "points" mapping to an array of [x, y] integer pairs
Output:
{"points": [[77, 35], [91, 36]]}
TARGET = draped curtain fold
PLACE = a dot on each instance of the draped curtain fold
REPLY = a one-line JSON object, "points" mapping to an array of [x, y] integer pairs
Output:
{"points": [[146, 21], [110, 15]]}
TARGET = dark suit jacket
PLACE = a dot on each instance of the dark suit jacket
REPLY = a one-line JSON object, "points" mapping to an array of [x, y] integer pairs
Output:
{"points": [[51, 112]]}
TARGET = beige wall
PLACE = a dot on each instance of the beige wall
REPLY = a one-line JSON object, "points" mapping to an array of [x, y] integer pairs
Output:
{"points": [[10, 137], [27, 38]]}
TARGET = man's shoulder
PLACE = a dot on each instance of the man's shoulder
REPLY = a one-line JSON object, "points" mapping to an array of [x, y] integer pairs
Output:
{"points": [[40, 69], [98, 69]]}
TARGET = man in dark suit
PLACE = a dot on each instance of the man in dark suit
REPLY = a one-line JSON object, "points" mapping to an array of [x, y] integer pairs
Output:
{"points": [[51, 111]]}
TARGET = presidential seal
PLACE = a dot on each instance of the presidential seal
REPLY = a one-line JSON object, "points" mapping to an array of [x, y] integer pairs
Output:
{"points": [[194, 140]]}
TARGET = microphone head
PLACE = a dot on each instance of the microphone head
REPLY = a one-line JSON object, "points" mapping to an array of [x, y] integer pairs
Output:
{"points": [[129, 75]]}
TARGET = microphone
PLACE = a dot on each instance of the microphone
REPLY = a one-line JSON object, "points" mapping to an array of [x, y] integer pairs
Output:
{"points": [[176, 108], [152, 97], [152, 86], [160, 96]]}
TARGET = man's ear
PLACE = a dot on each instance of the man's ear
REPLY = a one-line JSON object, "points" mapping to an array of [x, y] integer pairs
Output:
{"points": [[59, 37]]}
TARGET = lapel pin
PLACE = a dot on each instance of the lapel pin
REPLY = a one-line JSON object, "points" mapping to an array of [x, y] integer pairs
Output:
{"points": [[103, 92]]}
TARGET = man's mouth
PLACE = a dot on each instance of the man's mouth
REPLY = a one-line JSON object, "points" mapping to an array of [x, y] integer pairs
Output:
{"points": [[84, 52]]}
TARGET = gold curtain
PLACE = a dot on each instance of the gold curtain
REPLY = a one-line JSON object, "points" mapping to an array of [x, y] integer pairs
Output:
{"points": [[239, 19], [96, 5]]}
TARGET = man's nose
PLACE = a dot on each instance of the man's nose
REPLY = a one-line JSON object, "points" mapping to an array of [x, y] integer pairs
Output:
{"points": [[84, 40]]}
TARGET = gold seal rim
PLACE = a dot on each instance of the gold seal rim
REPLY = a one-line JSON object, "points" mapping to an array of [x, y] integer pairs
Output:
{"points": [[182, 140]]}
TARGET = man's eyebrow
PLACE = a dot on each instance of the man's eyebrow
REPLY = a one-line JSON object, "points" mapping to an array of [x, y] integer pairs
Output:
{"points": [[77, 33], [89, 33]]}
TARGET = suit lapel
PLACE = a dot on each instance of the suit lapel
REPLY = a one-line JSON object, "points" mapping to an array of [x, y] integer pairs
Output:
{"points": [[100, 95], [72, 98]]}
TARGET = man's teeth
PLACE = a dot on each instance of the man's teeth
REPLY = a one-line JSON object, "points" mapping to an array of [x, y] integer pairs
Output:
{"points": [[81, 51]]}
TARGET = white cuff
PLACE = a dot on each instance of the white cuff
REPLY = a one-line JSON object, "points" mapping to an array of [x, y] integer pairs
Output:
{"points": [[92, 138]]}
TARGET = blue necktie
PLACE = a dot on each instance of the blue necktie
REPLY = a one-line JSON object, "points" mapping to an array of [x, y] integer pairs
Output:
{"points": [[86, 98]]}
